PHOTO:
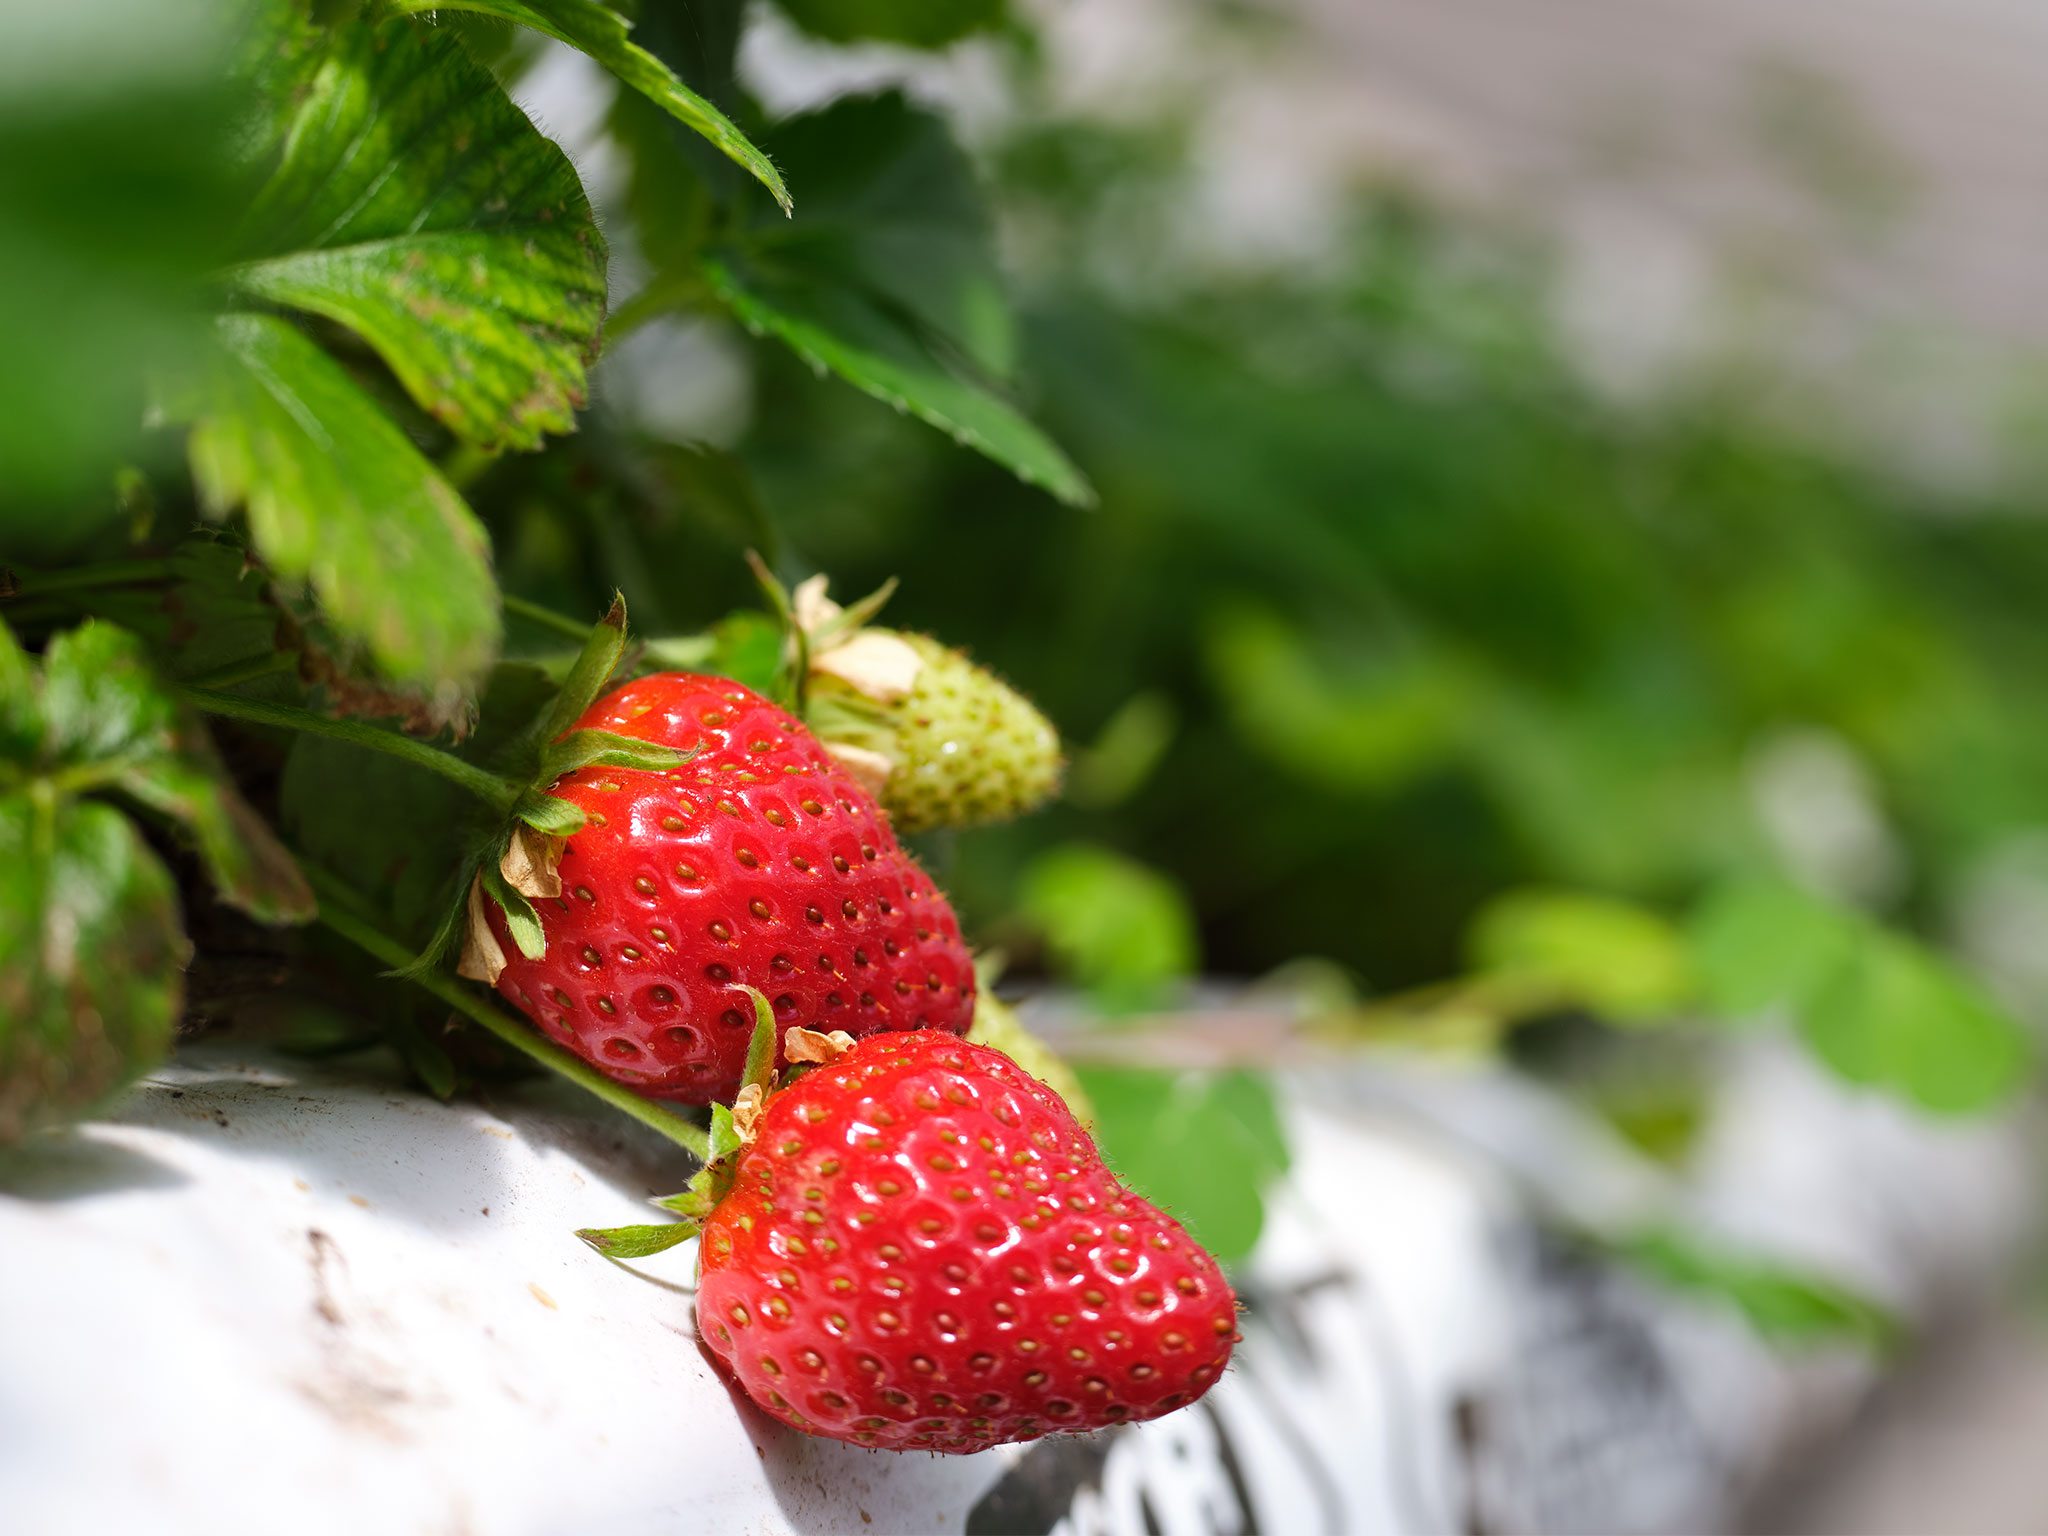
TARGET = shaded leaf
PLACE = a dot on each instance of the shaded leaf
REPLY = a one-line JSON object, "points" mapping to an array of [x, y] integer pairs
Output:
{"points": [[338, 497], [108, 718], [91, 956], [601, 32], [1204, 1146], [414, 203], [887, 278], [918, 23]]}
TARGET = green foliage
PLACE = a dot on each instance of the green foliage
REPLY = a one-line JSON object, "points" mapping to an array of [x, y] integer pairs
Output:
{"points": [[1119, 929], [601, 32], [1783, 1303], [1375, 731], [919, 23], [338, 496], [91, 950], [413, 203], [886, 277], [1202, 1145], [116, 190], [1617, 959], [1879, 1008]]}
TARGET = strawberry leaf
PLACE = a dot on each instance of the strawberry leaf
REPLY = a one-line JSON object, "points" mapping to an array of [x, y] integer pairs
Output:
{"points": [[916, 23], [109, 722], [1786, 1304], [1879, 1008], [1203, 1145], [414, 203], [887, 277], [91, 957], [600, 32], [638, 1242], [113, 121], [338, 497]]}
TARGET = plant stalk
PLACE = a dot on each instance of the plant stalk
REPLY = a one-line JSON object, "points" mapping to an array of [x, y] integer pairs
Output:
{"points": [[547, 618], [494, 791], [335, 902], [123, 573]]}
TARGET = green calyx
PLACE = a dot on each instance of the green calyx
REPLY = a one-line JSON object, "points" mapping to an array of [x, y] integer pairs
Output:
{"points": [[731, 1127]]}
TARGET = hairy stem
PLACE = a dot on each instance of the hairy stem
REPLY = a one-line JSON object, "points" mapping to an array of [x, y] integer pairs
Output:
{"points": [[243, 671], [123, 573], [336, 903], [492, 790], [547, 618]]}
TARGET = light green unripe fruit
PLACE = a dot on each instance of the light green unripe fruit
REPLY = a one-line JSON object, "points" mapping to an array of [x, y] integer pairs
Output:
{"points": [[958, 747]]}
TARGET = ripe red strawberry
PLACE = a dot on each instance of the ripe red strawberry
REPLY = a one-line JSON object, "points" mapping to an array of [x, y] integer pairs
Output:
{"points": [[922, 1250], [757, 863]]}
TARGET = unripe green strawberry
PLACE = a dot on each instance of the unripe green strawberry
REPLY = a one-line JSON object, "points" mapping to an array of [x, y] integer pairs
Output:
{"points": [[959, 746]]}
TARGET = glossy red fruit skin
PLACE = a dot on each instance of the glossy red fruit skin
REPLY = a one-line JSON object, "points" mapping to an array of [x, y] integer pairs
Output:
{"points": [[759, 862], [922, 1250]]}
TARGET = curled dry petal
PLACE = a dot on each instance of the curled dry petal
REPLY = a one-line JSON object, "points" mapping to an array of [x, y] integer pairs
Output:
{"points": [[529, 863], [813, 608], [746, 1110], [875, 663], [483, 957], [800, 1044]]}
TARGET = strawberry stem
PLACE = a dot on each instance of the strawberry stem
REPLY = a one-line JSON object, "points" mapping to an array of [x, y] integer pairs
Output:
{"points": [[546, 618], [336, 914], [494, 791]]}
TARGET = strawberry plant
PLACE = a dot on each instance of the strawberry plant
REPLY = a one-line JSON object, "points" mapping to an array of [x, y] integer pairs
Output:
{"points": [[330, 469]]}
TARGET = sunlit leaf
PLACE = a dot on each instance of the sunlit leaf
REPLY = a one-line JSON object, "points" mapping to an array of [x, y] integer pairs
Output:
{"points": [[1119, 929], [1581, 950], [1898, 1017], [416, 205], [338, 497], [1880, 1009]]}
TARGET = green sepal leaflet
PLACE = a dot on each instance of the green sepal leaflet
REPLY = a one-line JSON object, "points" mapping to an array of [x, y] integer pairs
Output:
{"points": [[607, 749], [520, 917], [639, 1242]]}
